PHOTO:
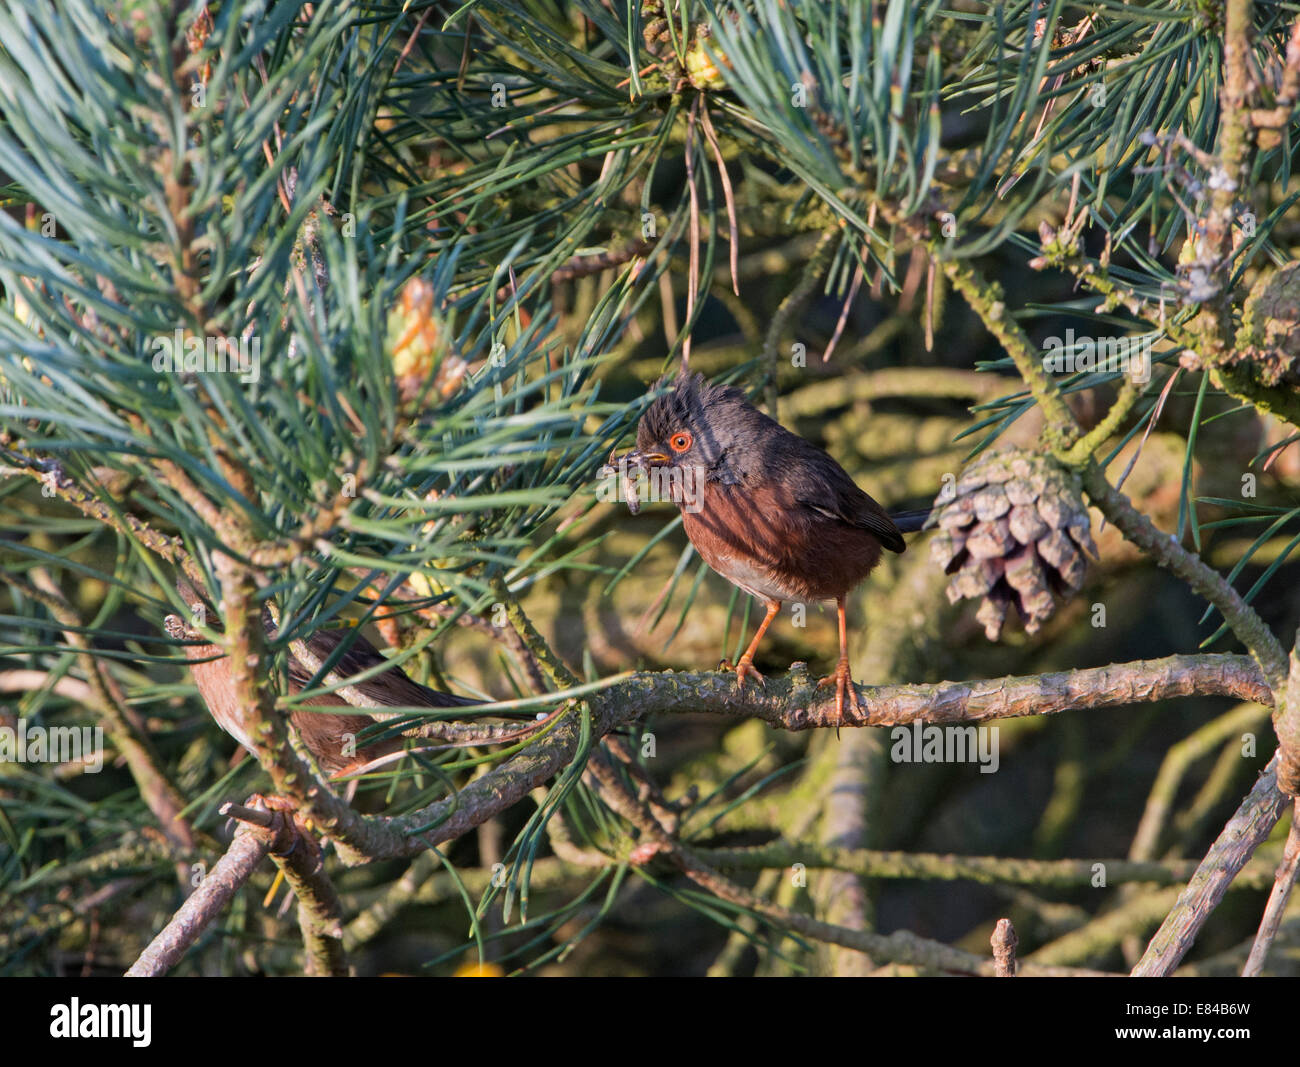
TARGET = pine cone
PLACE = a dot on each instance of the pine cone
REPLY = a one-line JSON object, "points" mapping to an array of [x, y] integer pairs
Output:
{"points": [[421, 346], [1013, 529]]}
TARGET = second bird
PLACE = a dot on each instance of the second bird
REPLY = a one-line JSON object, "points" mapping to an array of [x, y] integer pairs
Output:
{"points": [[768, 511]]}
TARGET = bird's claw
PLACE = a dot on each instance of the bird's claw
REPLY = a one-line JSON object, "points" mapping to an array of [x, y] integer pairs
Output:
{"points": [[843, 682], [746, 667], [271, 802]]}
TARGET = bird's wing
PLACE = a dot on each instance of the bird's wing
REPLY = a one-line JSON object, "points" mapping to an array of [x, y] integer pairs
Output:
{"points": [[823, 486], [393, 688]]}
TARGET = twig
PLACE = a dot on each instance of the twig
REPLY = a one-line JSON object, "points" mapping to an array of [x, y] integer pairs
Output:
{"points": [[1248, 828], [1286, 723], [1082, 450], [1137, 915], [320, 912], [298, 856], [25, 681], [986, 870], [1190, 823], [396, 896], [1277, 899], [1004, 942], [127, 730], [733, 228], [988, 301], [202, 907], [415, 33], [1229, 962], [791, 306], [1246, 624], [1235, 144], [53, 477], [908, 382], [858, 274], [539, 648], [693, 269], [584, 266]]}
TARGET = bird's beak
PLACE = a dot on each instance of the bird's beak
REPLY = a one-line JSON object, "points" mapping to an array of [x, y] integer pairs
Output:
{"points": [[637, 458]]}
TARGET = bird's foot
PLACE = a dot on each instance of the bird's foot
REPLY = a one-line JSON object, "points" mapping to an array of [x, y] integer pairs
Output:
{"points": [[277, 814], [843, 683], [744, 669], [270, 802]]}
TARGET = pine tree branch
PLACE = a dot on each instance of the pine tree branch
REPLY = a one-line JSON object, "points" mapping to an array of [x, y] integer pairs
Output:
{"points": [[361, 839], [1277, 899], [205, 904], [1286, 723], [1248, 828], [320, 912], [783, 701], [125, 727], [56, 480], [988, 301], [1245, 623], [986, 870]]}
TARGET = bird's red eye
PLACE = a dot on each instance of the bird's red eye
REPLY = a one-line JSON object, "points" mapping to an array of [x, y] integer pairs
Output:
{"points": [[680, 442]]}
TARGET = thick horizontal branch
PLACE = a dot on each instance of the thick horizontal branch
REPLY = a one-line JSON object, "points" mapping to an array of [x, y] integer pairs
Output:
{"points": [[794, 703], [781, 702]]}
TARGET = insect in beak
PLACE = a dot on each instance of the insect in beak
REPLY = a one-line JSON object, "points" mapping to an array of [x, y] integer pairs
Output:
{"points": [[628, 469]]}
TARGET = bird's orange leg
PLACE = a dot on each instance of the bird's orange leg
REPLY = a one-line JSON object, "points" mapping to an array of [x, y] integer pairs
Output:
{"points": [[842, 679], [746, 664]]}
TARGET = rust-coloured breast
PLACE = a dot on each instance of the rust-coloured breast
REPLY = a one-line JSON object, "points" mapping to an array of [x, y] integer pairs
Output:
{"points": [[775, 548]]}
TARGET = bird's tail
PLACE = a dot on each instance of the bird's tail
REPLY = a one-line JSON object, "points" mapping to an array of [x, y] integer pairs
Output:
{"points": [[910, 521]]}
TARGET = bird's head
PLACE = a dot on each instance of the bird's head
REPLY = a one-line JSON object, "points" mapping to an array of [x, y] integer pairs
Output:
{"points": [[694, 424]]}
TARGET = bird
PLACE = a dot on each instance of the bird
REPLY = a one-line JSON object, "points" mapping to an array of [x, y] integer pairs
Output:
{"points": [[770, 512], [331, 737]]}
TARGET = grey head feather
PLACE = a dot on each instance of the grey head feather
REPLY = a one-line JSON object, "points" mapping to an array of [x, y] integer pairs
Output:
{"points": [[719, 419]]}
